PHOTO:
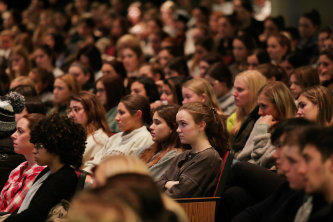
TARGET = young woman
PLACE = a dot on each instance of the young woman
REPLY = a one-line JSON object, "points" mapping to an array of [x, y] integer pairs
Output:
{"points": [[166, 141], [133, 116], [278, 47], [59, 145], [275, 104], [302, 78], [21, 178], [325, 69], [308, 26], [18, 62], [199, 90], [64, 87], [172, 91], [44, 81], [194, 173], [109, 90], [316, 104], [86, 110], [242, 47], [44, 58], [146, 87], [222, 86], [132, 57], [83, 75], [247, 85]]}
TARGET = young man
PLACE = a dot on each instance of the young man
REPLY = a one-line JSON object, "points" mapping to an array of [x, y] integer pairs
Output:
{"points": [[316, 144], [283, 204]]}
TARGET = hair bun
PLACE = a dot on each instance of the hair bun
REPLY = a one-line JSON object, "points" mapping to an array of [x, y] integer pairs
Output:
{"points": [[16, 100]]}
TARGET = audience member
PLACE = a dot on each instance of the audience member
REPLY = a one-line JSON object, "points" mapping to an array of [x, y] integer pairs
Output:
{"points": [[133, 117], [202, 128], [109, 90], [59, 144], [86, 110], [316, 104], [220, 78], [9, 106], [166, 144], [22, 177]]}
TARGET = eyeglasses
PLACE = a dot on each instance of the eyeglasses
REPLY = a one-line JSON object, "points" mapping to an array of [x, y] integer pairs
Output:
{"points": [[39, 146]]}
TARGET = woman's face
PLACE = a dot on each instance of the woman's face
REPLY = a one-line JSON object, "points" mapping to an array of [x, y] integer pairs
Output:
{"points": [[126, 121], [190, 96], [219, 88], [325, 69], [187, 130], [163, 57], [267, 108], [79, 75], [287, 67], [61, 92], [100, 93], [42, 59], [275, 50], [239, 50], [108, 70], [169, 73], [203, 66], [159, 129], [241, 93], [270, 28], [77, 112], [17, 64], [21, 138], [139, 89], [225, 29], [166, 94], [295, 86], [252, 62], [306, 28], [130, 60], [42, 156], [306, 109], [39, 85]]}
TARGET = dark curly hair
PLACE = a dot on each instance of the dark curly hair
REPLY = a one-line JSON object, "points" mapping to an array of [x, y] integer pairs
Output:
{"points": [[61, 136]]}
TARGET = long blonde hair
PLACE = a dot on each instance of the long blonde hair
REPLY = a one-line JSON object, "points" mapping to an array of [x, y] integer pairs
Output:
{"points": [[201, 86], [254, 80]]}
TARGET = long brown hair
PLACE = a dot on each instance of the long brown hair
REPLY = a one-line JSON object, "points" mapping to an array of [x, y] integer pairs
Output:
{"points": [[94, 110], [322, 97], [216, 130], [168, 113]]}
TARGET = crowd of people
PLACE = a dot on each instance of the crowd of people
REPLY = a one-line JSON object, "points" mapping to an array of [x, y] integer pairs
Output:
{"points": [[147, 98]]}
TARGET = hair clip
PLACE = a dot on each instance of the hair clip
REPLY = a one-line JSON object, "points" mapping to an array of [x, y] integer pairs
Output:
{"points": [[214, 110]]}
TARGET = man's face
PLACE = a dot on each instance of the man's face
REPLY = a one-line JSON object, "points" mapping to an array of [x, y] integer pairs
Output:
{"points": [[317, 172], [291, 165]]}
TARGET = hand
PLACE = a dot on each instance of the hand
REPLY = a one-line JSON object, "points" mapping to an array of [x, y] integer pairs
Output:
{"points": [[268, 119], [170, 184], [155, 104]]}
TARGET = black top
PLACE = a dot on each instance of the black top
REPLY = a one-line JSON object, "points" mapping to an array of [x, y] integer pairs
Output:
{"points": [[59, 185], [282, 205]]}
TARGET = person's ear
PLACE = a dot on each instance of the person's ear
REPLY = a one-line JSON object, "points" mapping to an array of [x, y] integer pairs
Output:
{"points": [[331, 163], [138, 114], [202, 125], [203, 97]]}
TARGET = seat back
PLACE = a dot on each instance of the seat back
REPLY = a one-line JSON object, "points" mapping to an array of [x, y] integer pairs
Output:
{"points": [[227, 161]]}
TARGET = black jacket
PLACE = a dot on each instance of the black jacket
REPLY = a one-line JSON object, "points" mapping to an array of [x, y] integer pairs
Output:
{"points": [[59, 185], [8, 159]]}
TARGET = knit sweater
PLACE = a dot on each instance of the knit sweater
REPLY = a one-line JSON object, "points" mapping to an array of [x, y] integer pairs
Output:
{"points": [[122, 145]]}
